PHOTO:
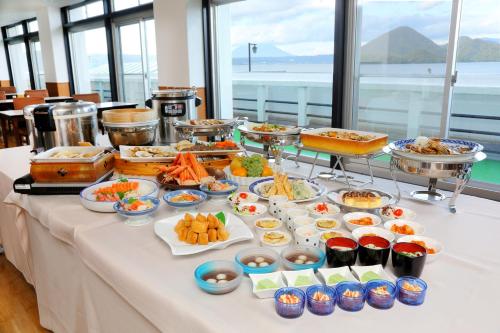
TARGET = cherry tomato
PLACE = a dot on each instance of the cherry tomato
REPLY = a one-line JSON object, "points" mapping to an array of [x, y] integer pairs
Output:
{"points": [[243, 195], [398, 212], [252, 209]]}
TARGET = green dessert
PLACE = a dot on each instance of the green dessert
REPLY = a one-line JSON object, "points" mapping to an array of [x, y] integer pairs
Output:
{"points": [[368, 276], [266, 284], [336, 278], [303, 280]]}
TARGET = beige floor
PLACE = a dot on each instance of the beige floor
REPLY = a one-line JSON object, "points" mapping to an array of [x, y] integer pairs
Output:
{"points": [[18, 308]]}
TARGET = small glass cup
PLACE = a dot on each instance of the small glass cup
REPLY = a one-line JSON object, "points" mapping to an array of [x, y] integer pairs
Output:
{"points": [[286, 310], [378, 299], [350, 303], [321, 307], [406, 295]]}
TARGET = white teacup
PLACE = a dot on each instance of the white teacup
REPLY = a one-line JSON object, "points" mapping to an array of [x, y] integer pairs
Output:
{"points": [[307, 235], [274, 200], [301, 221], [282, 209], [292, 213]]}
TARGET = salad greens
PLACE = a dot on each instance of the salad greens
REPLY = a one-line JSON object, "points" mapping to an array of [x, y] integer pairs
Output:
{"points": [[254, 165]]}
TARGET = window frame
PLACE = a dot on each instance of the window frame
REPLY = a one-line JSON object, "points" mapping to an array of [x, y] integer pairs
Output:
{"points": [[26, 38], [105, 20]]}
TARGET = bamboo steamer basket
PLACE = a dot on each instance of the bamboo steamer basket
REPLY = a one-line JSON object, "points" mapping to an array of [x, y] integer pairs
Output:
{"points": [[129, 115]]}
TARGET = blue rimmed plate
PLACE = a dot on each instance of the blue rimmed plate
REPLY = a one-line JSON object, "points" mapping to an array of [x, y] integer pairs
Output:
{"points": [[221, 194], [256, 188], [167, 197], [399, 148], [137, 217]]}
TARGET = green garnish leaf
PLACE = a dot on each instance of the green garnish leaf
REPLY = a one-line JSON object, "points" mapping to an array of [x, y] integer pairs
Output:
{"points": [[121, 195], [222, 217], [132, 200], [122, 180]]}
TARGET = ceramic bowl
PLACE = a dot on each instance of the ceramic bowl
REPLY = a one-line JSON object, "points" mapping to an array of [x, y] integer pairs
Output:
{"points": [[293, 251], [429, 243], [417, 227], [261, 226], [139, 217], [167, 197], [350, 217], [250, 212], [373, 231], [259, 255], [215, 266], [307, 235]]}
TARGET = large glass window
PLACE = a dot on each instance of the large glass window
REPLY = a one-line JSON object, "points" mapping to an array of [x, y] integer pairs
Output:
{"points": [[33, 26], [89, 57], [401, 65], [19, 65], [37, 63], [86, 11], [124, 4], [475, 107], [138, 71], [15, 30], [275, 61]]}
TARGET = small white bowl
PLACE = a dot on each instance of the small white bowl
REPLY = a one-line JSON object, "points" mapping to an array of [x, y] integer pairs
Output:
{"points": [[330, 211], [242, 211], [357, 215], [278, 247], [275, 277], [338, 274], [260, 230], [235, 198], [341, 233], [307, 235], [292, 277], [300, 221], [282, 209], [417, 227], [429, 242], [360, 232], [293, 213], [407, 213], [338, 223]]}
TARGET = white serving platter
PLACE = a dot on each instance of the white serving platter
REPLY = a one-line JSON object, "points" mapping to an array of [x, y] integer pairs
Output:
{"points": [[238, 232]]}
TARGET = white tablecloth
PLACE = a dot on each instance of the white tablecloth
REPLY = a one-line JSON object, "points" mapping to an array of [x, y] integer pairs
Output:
{"points": [[93, 273]]}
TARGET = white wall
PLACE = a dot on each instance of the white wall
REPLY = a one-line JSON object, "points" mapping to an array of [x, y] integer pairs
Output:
{"points": [[4, 71], [52, 43], [179, 42]]}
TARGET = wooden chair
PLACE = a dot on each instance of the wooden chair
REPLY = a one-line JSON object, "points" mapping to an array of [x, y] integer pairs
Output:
{"points": [[8, 90], [93, 97], [2, 95], [21, 102], [36, 93]]}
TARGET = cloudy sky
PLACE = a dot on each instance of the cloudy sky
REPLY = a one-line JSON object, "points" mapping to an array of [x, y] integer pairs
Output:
{"points": [[305, 27]]}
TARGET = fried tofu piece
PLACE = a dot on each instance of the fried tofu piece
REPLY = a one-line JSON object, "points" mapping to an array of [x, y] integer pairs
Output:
{"points": [[188, 217], [192, 237], [183, 234], [213, 222], [222, 234], [212, 235], [199, 226], [203, 238]]}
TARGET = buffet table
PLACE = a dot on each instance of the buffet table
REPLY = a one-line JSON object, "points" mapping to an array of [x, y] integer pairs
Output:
{"points": [[93, 273]]}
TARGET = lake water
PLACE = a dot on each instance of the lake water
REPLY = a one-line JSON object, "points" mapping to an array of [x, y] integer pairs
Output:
{"points": [[479, 74]]}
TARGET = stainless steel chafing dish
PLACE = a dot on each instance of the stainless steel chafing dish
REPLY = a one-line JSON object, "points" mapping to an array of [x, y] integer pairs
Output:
{"points": [[434, 168], [274, 142], [185, 130]]}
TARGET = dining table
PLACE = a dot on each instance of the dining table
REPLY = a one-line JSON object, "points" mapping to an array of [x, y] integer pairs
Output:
{"points": [[93, 273]]}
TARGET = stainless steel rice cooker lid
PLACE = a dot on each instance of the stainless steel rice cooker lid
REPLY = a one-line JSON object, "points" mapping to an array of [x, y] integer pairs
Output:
{"points": [[174, 94], [63, 110]]}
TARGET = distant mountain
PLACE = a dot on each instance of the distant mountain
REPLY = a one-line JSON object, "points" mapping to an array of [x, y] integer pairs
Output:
{"points": [[478, 49], [492, 40], [402, 45], [263, 51]]}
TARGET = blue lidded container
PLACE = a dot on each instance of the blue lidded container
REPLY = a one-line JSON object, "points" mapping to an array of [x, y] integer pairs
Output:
{"points": [[321, 307], [406, 295], [380, 294], [350, 303], [287, 310]]}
